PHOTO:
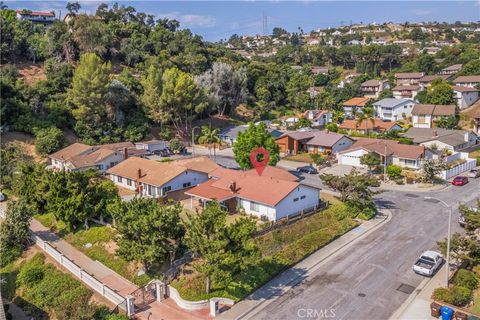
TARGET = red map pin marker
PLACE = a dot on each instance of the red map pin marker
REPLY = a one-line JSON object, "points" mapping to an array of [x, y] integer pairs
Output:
{"points": [[259, 159]]}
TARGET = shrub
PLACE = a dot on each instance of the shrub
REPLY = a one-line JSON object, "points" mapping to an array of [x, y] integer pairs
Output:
{"points": [[442, 294], [30, 276], [317, 159], [460, 296], [394, 172], [48, 140], [467, 279], [332, 127], [176, 145], [367, 214]]}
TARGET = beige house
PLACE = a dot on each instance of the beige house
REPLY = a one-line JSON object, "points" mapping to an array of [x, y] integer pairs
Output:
{"points": [[425, 115]]}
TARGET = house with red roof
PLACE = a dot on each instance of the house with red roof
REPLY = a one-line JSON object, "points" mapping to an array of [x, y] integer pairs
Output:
{"points": [[43, 17], [314, 141], [273, 195]]}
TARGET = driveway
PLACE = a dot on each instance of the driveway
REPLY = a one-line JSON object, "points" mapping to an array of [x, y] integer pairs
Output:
{"points": [[341, 169], [373, 277]]}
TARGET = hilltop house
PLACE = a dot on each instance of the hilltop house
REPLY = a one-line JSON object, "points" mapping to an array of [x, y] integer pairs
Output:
{"points": [[467, 81], [406, 91], [270, 196], [81, 157], [312, 142], [42, 17], [409, 156], [372, 88], [316, 70], [352, 106], [426, 80], [425, 115], [318, 118], [156, 179], [439, 138], [408, 78], [451, 70], [465, 96], [391, 109], [377, 126]]}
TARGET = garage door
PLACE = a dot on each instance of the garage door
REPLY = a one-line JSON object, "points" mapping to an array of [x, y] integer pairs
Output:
{"points": [[349, 159]]}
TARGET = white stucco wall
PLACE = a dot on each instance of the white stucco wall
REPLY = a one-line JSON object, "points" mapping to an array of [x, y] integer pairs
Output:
{"points": [[466, 99], [263, 210], [426, 124], [342, 144], [288, 206]]}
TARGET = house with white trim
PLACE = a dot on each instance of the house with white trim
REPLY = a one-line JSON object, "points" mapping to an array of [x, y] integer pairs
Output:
{"points": [[467, 81], [391, 109], [465, 96], [425, 115]]}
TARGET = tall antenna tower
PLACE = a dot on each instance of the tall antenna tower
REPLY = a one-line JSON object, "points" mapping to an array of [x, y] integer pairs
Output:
{"points": [[264, 24]]}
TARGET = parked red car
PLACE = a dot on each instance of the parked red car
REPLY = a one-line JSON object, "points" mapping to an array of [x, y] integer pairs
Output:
{"points": [[460, 181]]}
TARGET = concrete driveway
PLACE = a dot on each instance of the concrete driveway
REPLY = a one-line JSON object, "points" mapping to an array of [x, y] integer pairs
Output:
{"points": [[341, 169]]}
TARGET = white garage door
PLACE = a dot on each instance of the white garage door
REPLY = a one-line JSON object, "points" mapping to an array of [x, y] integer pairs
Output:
{"points": [[350, 159]]}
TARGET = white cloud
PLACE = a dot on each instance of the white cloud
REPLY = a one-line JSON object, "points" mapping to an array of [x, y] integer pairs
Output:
{"points": [[190, 20]]}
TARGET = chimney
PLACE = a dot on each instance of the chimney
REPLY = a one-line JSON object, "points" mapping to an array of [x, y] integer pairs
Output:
{"points": [[233, 187], [139, 173], [125, 153]]}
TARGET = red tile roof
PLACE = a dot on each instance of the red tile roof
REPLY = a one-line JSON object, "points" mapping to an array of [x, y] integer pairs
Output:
{"points": [[36, 13], [356, 102]]}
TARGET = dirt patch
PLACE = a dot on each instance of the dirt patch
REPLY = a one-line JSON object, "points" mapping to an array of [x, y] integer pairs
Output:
{"points": [[27, 142], [466, 116], [31, 73], [111, 247]]}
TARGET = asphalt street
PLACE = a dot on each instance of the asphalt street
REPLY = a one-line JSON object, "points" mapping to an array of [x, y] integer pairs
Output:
{"points": [[363, 282]]}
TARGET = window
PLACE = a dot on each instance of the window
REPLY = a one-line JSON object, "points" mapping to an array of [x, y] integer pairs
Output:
{"points": [[151, 190], [166, 189], [187, 184], [302, 197], [119, 179], [409, 163], [129, 182], [421, 119], [254, 206], [295, 199]]}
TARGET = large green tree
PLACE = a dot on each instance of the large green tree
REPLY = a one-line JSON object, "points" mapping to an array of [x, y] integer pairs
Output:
{"points": [[90, 85], [439, 92], [149, 232], [255, 136]]}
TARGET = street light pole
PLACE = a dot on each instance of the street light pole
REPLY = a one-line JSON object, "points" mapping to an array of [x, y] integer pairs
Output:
{"points": [[449, 236], [385, 163]]}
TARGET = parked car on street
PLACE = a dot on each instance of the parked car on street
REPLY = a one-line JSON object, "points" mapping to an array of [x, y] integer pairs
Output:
{"points": [[460, 181], [162, 153], [428, 263], [308, 169], [474, 173]]}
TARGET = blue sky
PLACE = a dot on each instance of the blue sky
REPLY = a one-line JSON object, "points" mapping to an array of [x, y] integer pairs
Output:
{"points": [[216, 20]]}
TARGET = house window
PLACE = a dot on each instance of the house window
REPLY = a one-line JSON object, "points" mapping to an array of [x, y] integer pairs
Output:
{"points": [[166, 189], [302, 197], [409, 163], [187, 184], [129, 182], [421, 119], [151, 190], [295, 199], [254, 206], [119, 179]]}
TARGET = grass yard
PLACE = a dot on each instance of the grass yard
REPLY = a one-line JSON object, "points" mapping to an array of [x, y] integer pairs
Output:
{"points": [[277, 250], [102, 246], [301, 157]]}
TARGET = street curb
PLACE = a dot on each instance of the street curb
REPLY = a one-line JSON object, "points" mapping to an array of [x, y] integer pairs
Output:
{"points": [[410, 299], [386, 218], [443, 188]]}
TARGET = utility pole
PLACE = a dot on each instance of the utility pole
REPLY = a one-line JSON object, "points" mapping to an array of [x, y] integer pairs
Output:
{"points": [[385, 163]]}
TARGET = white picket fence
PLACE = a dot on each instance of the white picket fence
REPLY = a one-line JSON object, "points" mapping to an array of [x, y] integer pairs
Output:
{"points": [[466, 166], [86, 278]]}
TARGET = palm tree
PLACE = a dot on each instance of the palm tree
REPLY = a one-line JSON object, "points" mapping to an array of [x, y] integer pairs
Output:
{"points": [[367, 114], [210, 137]]}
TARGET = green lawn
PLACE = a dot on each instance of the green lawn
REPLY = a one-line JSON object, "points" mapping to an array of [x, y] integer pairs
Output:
{"points": [[277, 250], [103, 245]]}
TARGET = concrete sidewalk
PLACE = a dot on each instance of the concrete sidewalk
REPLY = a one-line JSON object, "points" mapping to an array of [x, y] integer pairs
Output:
{"points": [[413, 188], [103, 274], [296, 274], [417, 306]]}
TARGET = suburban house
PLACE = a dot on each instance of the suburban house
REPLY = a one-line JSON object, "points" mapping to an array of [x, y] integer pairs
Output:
{"points": [[80, 157], [352, 106], [152, 145], [318, 118], [425, 115], [406, 91], [465, 96], [451, 70], [316, 70], [476, 123], [229, 135], [155, 179], [313, 142], [426, 80], [269, 197], [407, 78], [404, 155], [44, 17], [377, 126], [467, 81], [391, 109], [372, 88], [441, 139]]}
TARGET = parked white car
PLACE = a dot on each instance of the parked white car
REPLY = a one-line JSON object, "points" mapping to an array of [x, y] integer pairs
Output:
{"points": [[428, 263], [474, 173]]}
